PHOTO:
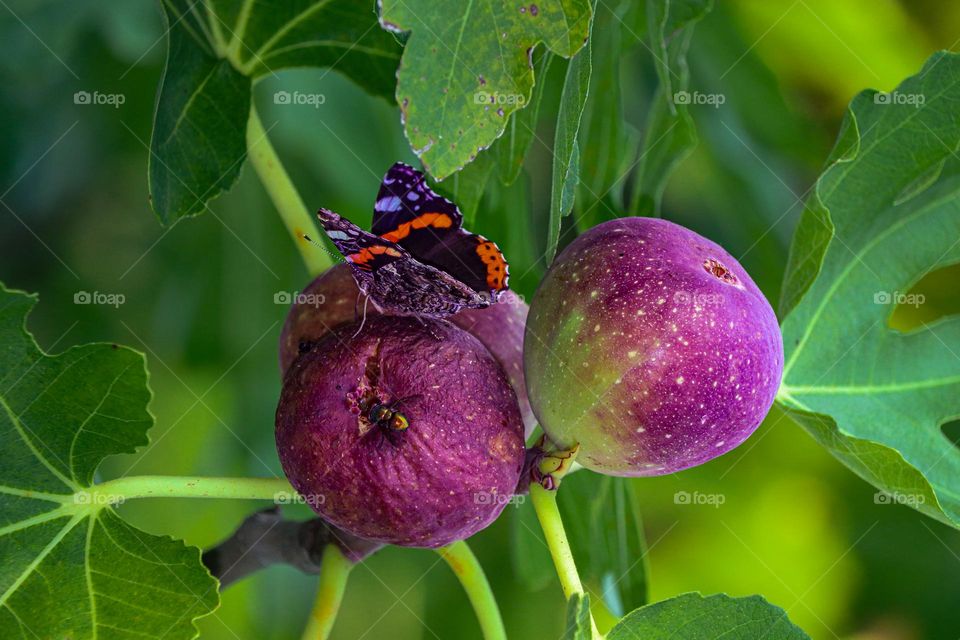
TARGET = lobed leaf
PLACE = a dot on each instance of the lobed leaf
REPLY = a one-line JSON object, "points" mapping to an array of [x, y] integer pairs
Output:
{"points": [[467, 66], [885, 212], [72, 567]]}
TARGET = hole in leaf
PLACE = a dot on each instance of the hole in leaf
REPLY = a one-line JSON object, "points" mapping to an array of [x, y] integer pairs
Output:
{"points": [[951, 430], [932, 298]]}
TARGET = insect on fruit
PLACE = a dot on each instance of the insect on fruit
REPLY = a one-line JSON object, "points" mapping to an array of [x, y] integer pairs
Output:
{"points": [[383, 415]]}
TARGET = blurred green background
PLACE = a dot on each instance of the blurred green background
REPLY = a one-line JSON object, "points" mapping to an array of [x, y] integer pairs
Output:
{"points": [[795, 526]]}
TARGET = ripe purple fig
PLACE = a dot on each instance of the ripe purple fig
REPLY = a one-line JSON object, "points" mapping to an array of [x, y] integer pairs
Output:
{"points": [[407, 432], [500, 328], [333, 298], [651, 347]]}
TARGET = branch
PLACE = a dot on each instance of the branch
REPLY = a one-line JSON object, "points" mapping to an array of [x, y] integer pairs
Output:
{"points": [[266, 538]]}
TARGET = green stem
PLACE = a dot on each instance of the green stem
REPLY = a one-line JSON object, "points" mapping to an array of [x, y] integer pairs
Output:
{"points": [[558, 464], [468, 570], [114, 491], [284, 195], [334, 571], [545, 504]]}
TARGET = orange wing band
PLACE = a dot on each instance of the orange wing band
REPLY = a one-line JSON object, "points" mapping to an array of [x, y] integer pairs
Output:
{"points": [[437, 220], [367, 255]]}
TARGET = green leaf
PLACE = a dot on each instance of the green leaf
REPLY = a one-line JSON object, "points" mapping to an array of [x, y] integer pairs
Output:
{"points": [[607, 142], [198, 143], [467, 186], [670, 135], [513, 145], [696, 617], [885, 212], [566, 152], [602, 516], [530, 556], [214, 54], [467, 66], [578, 618], [72, 568], [265, 37]]}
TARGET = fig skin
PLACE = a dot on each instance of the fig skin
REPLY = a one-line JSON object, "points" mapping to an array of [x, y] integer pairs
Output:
{"points": [[447, 476], [499, 327], [331, 299], [651, 347]]}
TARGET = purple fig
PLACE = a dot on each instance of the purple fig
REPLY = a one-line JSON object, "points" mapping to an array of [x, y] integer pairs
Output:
{"points": [[333, 298], [407, 432], [500, 328], [651, 347]]}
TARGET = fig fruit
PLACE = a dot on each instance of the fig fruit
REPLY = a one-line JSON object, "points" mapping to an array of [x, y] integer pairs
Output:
{"points": [[407, 432], [333, 298], [650, 347], [500, 328]]}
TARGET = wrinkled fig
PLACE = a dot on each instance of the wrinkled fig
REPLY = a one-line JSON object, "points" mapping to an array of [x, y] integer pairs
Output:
{"points": [[651, 347], [407, 432], [333, 298]]}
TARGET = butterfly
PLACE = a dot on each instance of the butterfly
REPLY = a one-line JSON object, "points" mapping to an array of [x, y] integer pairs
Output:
{"points": [[417, 258]]}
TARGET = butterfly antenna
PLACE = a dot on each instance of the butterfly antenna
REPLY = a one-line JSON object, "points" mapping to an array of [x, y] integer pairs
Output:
{"points": [[335, 256]]}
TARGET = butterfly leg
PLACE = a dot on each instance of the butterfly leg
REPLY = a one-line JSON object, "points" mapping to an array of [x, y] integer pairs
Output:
{"points": [[364, 321]]}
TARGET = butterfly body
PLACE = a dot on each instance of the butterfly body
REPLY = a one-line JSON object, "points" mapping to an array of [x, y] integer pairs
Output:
{"points": [[417, 258]]}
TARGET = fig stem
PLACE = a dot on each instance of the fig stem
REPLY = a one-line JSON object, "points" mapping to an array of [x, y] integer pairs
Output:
{"points": [[284, 195], [334, 571], [130, 487], [471, 575], [548, 513]]}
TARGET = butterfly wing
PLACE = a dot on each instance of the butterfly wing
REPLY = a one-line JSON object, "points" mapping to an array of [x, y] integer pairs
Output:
{"points": [[430, 227], [472, 259], [395, 280], [405, 202]]}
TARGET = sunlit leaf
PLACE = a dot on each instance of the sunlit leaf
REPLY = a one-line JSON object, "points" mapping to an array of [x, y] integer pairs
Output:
{"points": [[467, 66], [713, 617], [72, 567], [885, 212]]}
